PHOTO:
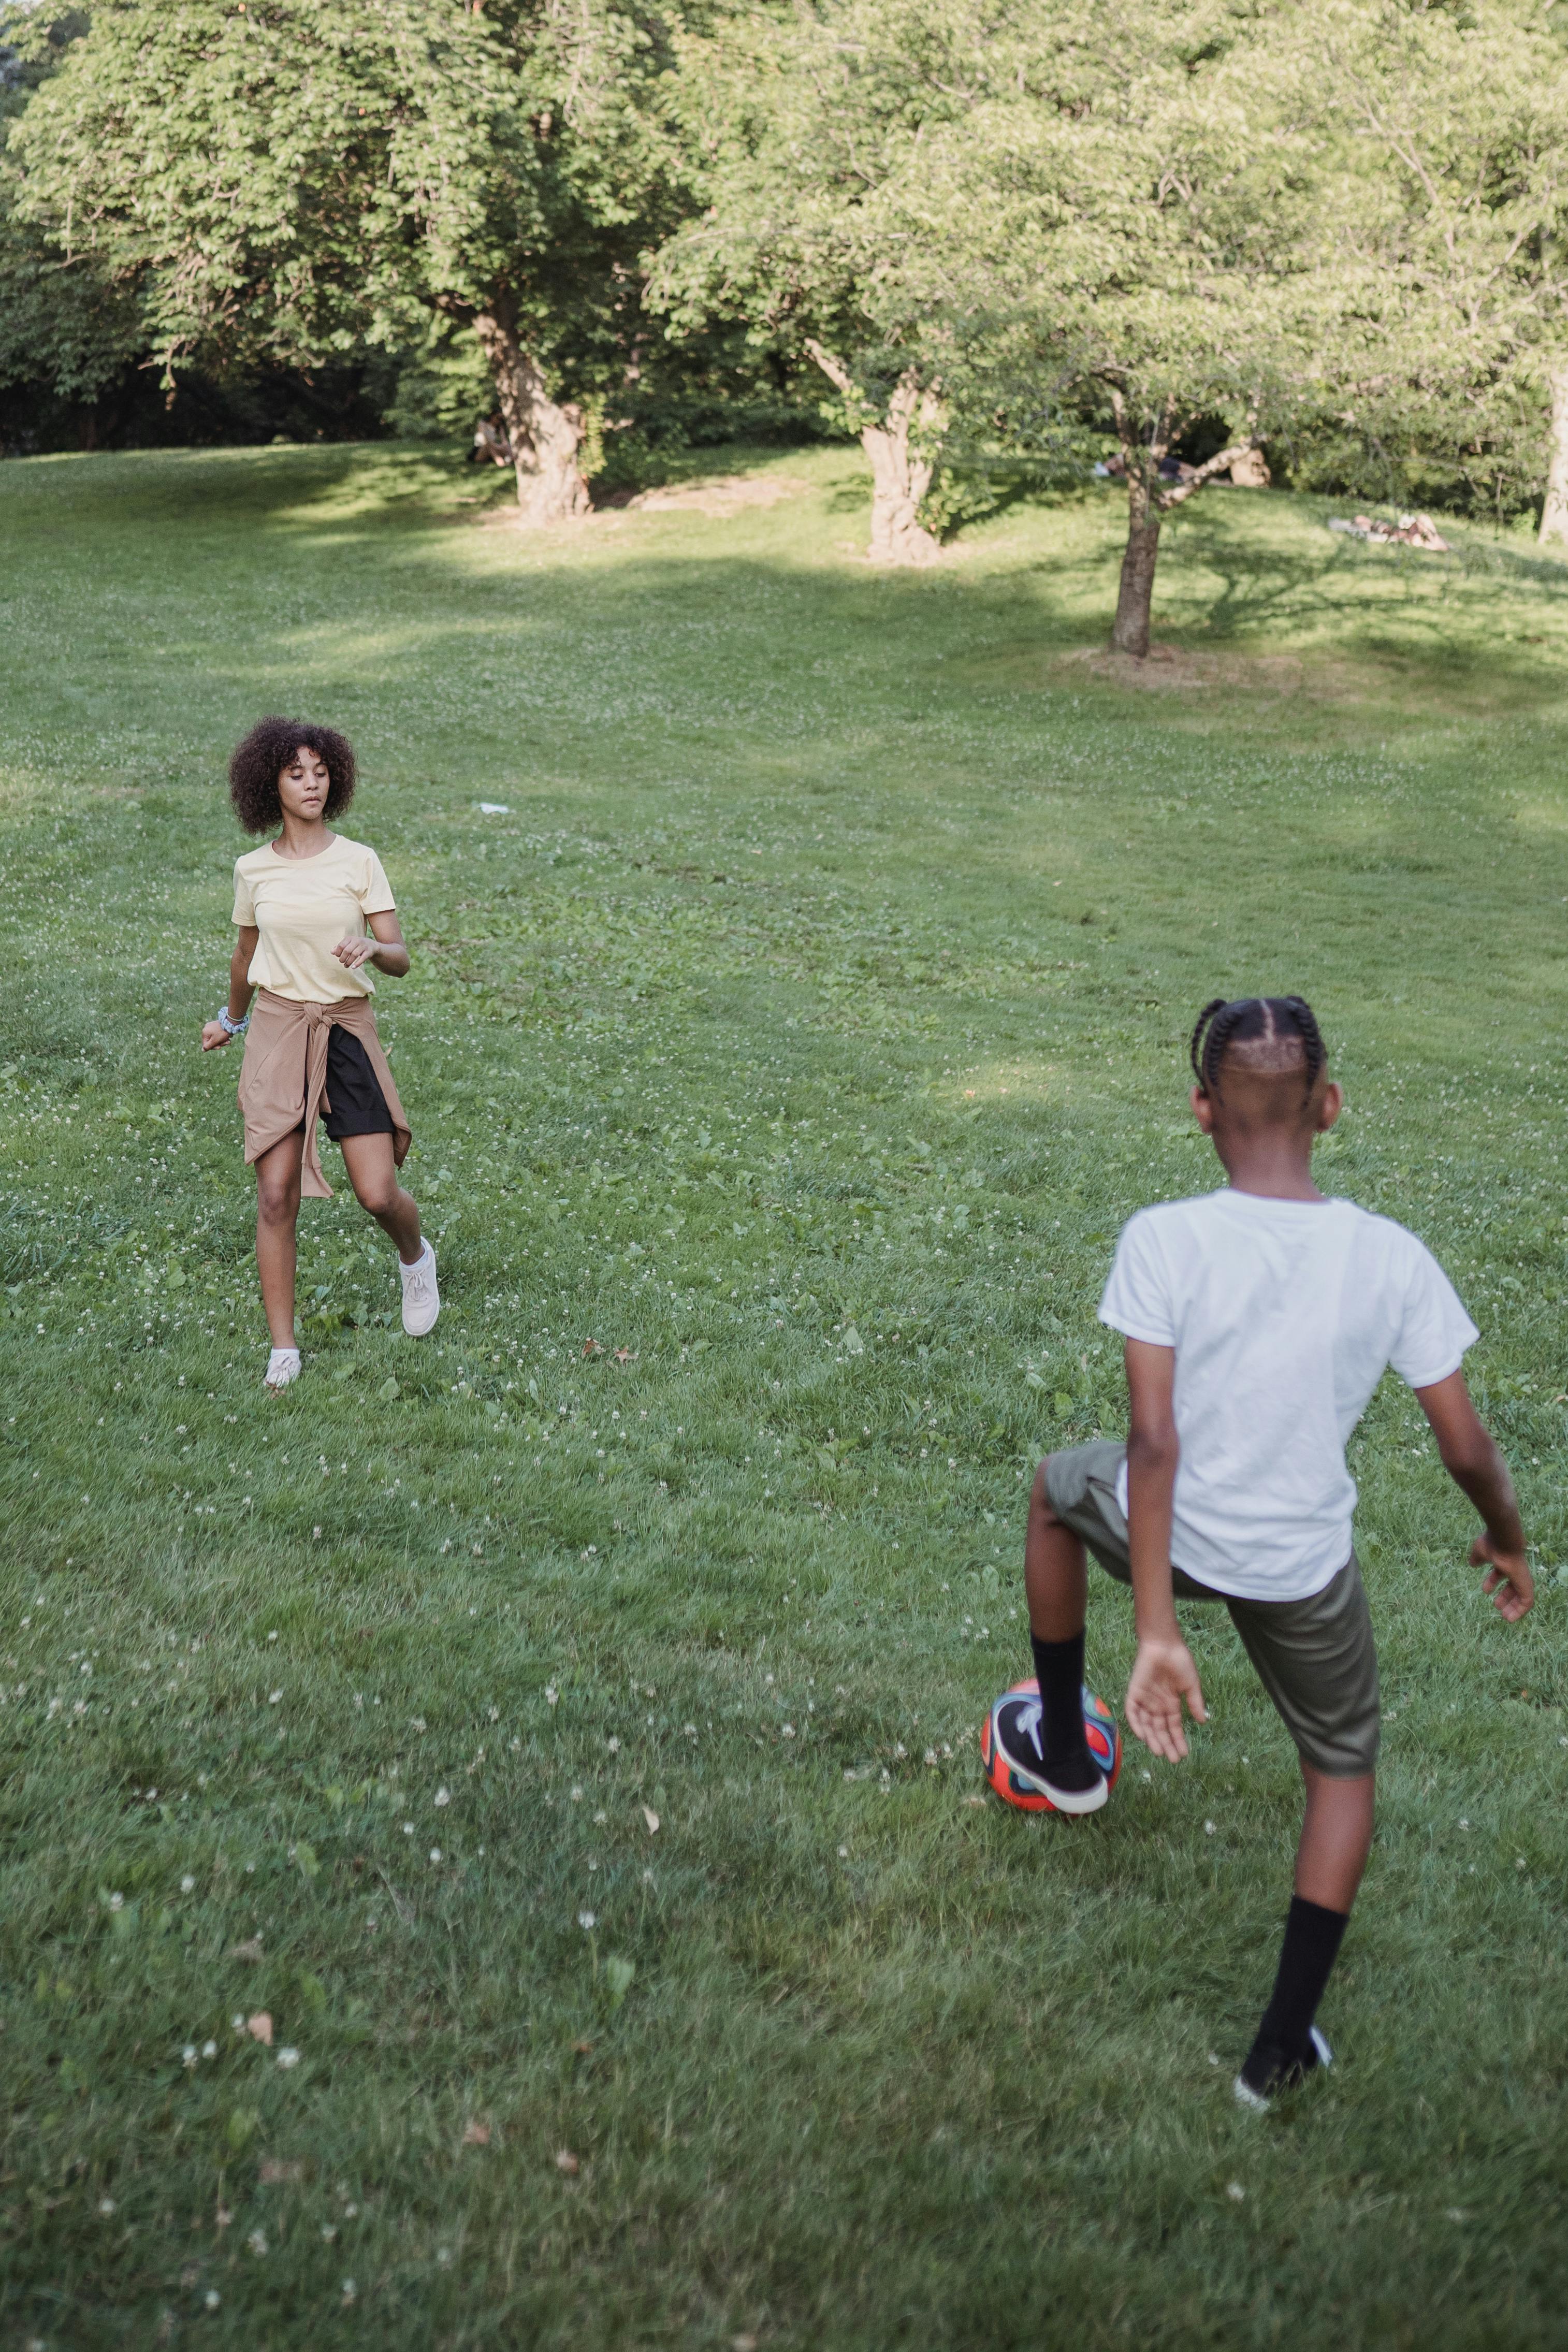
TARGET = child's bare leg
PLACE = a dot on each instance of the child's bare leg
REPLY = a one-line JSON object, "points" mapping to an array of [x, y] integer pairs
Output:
{"points": [[1055, 1580], [1056, 1586], [1336, 1838]]}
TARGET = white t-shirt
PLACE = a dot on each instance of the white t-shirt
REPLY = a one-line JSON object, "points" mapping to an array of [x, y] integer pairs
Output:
{"points": [[301, 908], [1283, 1315]]}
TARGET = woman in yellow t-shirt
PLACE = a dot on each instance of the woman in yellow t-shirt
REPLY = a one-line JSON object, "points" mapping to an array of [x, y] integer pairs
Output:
{"points": [[303, 903]]}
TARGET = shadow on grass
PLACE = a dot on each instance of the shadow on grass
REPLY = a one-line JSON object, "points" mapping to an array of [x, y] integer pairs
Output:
{"points": [[1306, 618]]}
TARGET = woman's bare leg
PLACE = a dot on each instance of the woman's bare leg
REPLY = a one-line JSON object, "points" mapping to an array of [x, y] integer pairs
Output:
{"points": [[277, 1231], [374, 1175]]}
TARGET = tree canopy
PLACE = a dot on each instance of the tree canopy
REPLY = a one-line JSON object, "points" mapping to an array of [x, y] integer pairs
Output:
{"points": [[268, 178], [1212, 237], [1001, 215]]}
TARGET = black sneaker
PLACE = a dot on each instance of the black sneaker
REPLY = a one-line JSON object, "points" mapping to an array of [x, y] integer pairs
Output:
{"points": [[1072, 1788], [1269, 2073]]}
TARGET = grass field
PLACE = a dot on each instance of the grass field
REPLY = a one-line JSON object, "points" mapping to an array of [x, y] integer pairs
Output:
{"points": [[782, 1064]]}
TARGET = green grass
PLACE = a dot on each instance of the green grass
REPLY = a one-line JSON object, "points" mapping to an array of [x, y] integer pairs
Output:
{"points": [[805, 1031]]}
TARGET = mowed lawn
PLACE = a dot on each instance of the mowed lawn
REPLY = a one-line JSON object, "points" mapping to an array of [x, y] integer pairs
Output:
{"points": [[564, 1730]]}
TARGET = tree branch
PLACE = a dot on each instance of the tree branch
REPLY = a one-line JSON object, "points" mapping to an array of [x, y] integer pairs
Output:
{"points": [[1210, 467], [835, 372]]}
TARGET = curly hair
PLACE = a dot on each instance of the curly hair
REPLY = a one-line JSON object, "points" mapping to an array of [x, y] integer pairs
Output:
{"points": [[266, 751]]}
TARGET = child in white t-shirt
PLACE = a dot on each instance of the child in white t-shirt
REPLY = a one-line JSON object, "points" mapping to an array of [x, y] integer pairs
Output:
{"points": [[1257, 1321]]}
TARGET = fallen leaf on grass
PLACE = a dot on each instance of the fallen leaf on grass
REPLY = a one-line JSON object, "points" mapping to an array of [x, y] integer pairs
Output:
{"points": [[259, 2028], [249, 1950], [592, 1348], [476, 2135], [624, 1356], [581, 2048], [565, 2161], [276, 2170], [651, 1818]]}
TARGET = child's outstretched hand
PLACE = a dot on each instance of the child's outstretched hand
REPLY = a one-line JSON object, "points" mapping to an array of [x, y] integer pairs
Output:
{"points": [[1164, 1674], [1508, 1578]]}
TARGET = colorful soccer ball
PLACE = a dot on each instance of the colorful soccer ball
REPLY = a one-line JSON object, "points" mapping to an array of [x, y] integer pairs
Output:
{"points": [[1100, 1729]]}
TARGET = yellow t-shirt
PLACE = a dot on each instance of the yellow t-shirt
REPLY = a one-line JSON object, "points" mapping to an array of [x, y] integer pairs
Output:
{"points": [[302, 907]]}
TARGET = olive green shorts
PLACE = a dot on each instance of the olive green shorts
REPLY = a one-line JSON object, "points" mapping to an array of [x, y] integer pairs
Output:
{"points": [[1315, 1658]]}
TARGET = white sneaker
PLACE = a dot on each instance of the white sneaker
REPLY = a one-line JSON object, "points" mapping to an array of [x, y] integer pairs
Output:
{"points": [[282, 1367], [421, 1297]]}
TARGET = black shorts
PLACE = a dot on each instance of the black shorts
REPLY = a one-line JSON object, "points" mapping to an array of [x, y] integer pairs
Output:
{"points": [[353, 1103]]}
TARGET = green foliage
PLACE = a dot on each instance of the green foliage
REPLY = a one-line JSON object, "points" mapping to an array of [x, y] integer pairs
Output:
{"points": [[956, 497], [289, 183], [1443, 203], [443, 386], [774, 1026], [63, 322], [808, 133]]}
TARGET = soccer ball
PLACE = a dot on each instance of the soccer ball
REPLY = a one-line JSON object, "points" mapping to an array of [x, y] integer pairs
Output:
{"points": [[1100, 1729]]}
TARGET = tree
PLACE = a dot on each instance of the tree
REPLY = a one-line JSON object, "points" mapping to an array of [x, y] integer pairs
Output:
{"points": [[808, 133], [1007, 215], [1148, 261], [1449, 204], [274, 179], [67, 326]]}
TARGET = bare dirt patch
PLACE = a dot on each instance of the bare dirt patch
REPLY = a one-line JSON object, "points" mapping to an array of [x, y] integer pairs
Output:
{"points": [[1169, 667], [722, 495]]}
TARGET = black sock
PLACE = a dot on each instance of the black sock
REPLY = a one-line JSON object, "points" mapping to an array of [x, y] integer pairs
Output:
{"points": [[1312, 1938], [1059, 1666]]}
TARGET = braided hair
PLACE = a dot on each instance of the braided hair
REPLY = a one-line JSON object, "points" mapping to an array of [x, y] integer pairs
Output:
{"points": [[1236, 1021]]}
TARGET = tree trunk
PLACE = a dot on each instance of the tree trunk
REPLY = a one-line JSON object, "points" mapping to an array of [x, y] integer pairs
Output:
{"points": [[545, 435], [900, 475], [1136, 593], [1554, 514]]}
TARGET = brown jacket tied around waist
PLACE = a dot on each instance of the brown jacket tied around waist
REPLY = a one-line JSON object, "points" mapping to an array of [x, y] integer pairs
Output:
{"points": [[283, 1078]]}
